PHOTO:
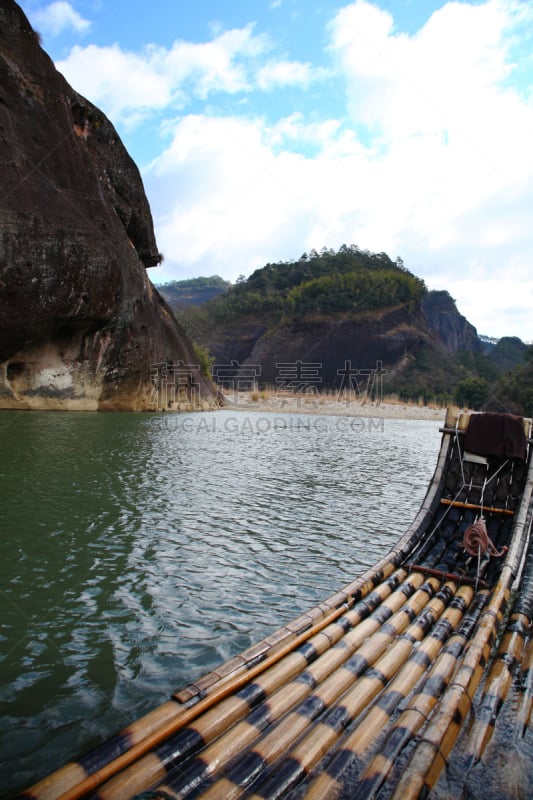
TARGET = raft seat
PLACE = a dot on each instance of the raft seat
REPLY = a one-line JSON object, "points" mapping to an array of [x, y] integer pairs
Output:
{"points": [[474, 458]]}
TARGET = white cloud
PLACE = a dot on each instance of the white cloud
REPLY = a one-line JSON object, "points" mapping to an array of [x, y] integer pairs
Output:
{"points": [[453, 137], [228, 196], [123, 82], [284, 73], [499, 307], [219, 194], [120, 83], [58, 17], [421, 84], [216, 66]]}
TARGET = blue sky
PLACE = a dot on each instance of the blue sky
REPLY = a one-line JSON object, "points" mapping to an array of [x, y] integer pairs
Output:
{"points": [[266, 128]]}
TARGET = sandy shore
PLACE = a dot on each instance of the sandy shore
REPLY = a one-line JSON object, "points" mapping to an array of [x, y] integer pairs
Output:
{"points": [[331, 406]]}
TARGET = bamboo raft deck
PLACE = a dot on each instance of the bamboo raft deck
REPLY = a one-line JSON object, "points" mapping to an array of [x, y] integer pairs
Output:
{"points": [[365, 695]]}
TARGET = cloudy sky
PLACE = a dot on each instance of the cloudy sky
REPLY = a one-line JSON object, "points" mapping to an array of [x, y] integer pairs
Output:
{"points": [[266, 128]]}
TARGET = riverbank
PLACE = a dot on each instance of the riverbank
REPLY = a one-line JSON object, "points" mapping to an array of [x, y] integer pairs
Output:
{"points": [[331, 405]]}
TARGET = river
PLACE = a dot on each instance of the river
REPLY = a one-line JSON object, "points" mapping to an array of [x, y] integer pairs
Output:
{"points": [[140, 550]]}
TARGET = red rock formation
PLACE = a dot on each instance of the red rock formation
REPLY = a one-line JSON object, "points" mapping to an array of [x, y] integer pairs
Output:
{"points": [[80, 323]]}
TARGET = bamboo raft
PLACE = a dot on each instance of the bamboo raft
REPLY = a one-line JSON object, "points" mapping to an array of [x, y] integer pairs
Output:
{"points": [[365, 695]]}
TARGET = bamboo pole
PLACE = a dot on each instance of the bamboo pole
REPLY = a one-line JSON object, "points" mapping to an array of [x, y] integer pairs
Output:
{"points": [[72, 781], [310, 750], [280, 738], [525, 706], [331, 783], [216, 721], [487, 509], [495, 690], [380, 771], [56, 785], [428, 758], [143, 774], [274, 660], [448, 576], [524, 605]]}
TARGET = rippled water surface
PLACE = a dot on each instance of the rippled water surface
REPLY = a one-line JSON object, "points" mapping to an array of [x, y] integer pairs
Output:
{"points": [[138, 551]]}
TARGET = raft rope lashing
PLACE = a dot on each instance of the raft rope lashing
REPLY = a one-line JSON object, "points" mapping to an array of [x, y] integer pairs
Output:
{"points": [[476, 540], [455, 444]]}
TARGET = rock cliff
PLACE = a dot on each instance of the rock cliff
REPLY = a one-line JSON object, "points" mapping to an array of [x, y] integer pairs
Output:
{"points": [[81, 326], [453, 330], [390, 338]]}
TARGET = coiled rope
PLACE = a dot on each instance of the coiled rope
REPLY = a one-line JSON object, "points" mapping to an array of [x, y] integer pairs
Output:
{"points": [[476, 540]]}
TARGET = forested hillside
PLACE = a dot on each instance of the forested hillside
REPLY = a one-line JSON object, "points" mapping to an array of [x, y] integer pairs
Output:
{"points": [[347, 282], [358, 307]]}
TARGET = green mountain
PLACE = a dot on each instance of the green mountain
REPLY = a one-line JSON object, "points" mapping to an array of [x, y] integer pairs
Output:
{"points": [[340, 314], [509, 352], [349, 282]]}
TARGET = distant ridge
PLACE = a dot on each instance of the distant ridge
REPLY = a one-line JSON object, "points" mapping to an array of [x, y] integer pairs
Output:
{"points": [[193, 291]]}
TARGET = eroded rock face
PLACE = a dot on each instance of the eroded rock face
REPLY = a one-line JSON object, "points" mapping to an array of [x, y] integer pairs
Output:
{"points": [[80, 323], [389, 337], [454, 330]]}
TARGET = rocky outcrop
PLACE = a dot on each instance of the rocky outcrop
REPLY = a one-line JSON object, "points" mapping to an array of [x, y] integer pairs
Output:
{"points": [[453, 330], [391, 337], [384, 338], [81, 326]]}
